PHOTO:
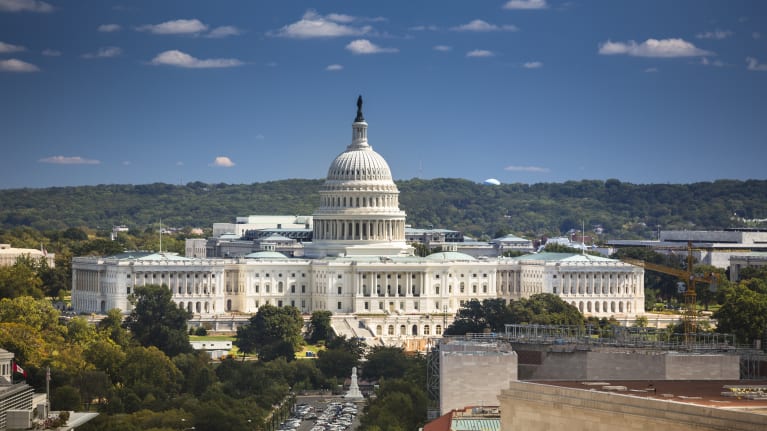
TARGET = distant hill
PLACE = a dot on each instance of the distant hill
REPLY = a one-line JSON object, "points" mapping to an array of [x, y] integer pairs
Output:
{"points": [[623, 210]]}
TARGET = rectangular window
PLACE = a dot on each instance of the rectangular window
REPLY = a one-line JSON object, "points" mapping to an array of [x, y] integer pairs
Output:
{"points": [[367, 305], [339, 305], [279, 303]]}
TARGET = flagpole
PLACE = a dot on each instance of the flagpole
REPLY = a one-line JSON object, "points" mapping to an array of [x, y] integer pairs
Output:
{"points": [[47, 391]]}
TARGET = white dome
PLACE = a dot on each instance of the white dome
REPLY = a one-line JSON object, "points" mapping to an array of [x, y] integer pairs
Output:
{"points": [[359, 164]]}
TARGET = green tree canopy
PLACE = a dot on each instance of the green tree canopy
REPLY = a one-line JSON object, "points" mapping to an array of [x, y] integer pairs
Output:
{"points": [[319, 326], [744, 311], [273, 332], [157, 321], [478, 317], [544, 309]]}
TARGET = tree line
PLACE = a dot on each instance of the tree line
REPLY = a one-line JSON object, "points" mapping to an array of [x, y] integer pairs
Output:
{"points": [[622, 210]]}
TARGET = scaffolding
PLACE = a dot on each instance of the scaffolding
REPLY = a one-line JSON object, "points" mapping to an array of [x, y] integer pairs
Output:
{"points": [[585, 337]]}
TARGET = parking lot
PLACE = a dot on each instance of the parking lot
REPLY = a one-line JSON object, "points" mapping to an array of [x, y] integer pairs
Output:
{"points": [[322, 413]]}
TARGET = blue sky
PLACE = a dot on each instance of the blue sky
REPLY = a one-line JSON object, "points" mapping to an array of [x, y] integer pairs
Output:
{"points": [[135, 92]]}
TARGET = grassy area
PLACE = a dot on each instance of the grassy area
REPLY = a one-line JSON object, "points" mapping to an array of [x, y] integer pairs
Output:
{"points": [[211, 338], [309, 348]]}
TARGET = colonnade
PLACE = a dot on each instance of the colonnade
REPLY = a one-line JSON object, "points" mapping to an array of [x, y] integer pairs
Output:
{"points": [[359, 230]]}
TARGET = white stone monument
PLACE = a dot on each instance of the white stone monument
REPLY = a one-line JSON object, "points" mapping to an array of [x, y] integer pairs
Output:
{"points": [[354, 393]]}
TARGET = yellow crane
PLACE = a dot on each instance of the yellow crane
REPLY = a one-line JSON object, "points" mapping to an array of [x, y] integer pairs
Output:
{"points": [[689, 278]]}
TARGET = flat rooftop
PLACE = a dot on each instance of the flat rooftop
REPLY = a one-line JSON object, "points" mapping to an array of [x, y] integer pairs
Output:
{"points": [[744, 395]]}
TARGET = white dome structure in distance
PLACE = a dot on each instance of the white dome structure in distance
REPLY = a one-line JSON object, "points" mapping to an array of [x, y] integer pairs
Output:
{"points": [[359, 211], [492, 182]]}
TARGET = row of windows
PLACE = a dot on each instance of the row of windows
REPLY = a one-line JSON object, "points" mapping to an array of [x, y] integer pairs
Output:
{"points": [[162, 275], [413, 330]]}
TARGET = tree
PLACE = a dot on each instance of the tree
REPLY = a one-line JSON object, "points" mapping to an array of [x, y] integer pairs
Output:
{"points": [[112, 327], [744, 311], [20, 279], [319, 326], [545, 309], [336, 362], [273, 332], [148, 371], [157, 321], [478, 317], [384, 362]]}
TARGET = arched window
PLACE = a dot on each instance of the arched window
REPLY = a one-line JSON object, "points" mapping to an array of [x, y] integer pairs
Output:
{"points": [[438, 330], [426, 330], [391, 329], [379, 330], [402, 330], [415, 330], [588, 306]]}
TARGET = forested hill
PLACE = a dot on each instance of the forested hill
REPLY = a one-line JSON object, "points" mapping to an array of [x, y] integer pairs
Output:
{"points": [[624, 210]]}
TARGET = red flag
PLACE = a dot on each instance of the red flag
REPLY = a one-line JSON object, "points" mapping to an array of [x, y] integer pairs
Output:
{"points": [[19, 370]]}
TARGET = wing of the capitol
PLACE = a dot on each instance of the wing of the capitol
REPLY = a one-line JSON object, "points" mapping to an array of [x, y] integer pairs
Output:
{"points": [[352, 257]]}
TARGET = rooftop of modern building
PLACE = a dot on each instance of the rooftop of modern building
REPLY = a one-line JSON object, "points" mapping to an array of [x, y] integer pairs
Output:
{"points": [[475, 418], [750, 395]]}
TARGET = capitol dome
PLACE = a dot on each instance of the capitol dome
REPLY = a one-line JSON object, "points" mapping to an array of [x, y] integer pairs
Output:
{"points": [[359, 204]]}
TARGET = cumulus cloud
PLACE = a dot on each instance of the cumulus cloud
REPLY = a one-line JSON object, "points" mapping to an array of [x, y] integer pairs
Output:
{"points": [[533, 65], [51, 53], [177, 58], [334, 67], [443, 48], [480, 53], [25, 6], [651, 70], [716, 34], [6, 48], [483, 26], [222, 162], [364, 46], [15, 65], [224, 31], [179, 26], [754, 65], [64, 160], [106, 52], [527, 169], [109, 28], [314, 25], [526, 4], [666, 48]]}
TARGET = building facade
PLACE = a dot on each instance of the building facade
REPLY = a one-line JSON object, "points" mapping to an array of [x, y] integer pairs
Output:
{"points": [[359, 266]]}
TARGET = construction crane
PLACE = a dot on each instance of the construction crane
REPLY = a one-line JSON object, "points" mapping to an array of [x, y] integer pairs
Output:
{"points": [[688, 278]]}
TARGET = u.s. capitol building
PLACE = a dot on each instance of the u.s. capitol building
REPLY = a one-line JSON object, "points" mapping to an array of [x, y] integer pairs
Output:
{"points": [[359, 266]]}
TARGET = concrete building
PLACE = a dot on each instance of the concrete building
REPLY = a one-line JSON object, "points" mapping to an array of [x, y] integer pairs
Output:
{"points": [[709, 247], [471, 418], [633, 405], [9, 255], [358, 265], [473, 372], [748, 260], [13, 396]]}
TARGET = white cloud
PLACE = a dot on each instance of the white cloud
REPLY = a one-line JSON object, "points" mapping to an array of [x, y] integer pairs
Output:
{"points": [[126, 163], [480, 53], [527, 169], [651, 69], [6, 48], [754, 65], [64, 160], [14, 65], [106, 52], [222, 162], [339, 17], [179, 163], [179, 26], [706, 62], [224, 31], [109, 28], [716, 34], [25, 6], [526, 4], [334, 67], [666, 48], [533, 65], [756, 35], [181, 59], [364, 46], [483, 26], [424, 28], [443, 48], [314, 25], [51, 53]]}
